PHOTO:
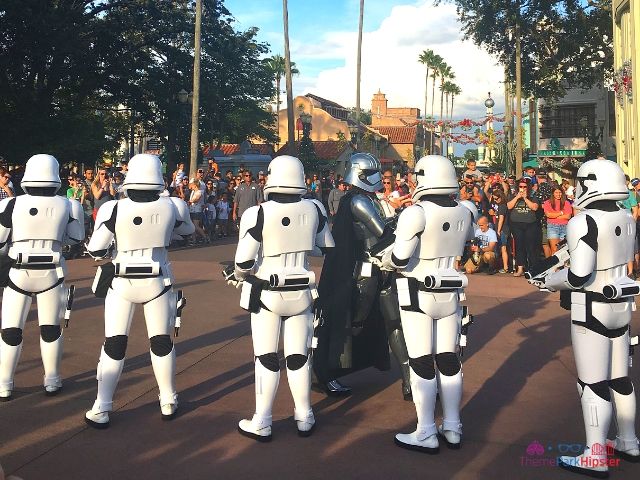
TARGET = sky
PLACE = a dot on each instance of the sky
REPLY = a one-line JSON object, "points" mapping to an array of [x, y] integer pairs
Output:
{"points": [[323, 42]]}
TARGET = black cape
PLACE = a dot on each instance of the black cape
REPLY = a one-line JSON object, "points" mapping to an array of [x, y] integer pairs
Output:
{"points": [[339, 352]]}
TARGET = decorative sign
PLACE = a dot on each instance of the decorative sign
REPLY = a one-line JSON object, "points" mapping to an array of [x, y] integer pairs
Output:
{"points": [[561, 153]]}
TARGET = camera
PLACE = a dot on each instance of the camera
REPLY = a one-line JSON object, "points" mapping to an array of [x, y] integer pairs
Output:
{"points": [[474, 242]]}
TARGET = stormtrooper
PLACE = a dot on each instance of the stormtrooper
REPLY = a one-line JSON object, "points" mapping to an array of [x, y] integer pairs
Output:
{"points": [[135, 231], [595, 287], [430, 235], [278, 288], [357, 298], [33, 228]]}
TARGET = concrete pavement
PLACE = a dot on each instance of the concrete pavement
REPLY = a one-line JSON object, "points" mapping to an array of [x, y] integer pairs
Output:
{"points": [[519, 388]]}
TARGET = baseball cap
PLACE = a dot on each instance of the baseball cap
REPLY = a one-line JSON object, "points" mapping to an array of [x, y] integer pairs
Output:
{"points": [[635, 181], [260, 172], [542, 173]]}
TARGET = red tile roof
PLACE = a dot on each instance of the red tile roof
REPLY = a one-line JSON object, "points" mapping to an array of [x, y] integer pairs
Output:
{"points": [[234, 148], [398, 134], [325, 149]]}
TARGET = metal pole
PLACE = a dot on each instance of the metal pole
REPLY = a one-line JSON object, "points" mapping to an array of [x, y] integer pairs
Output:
{"points": [[508, 120], [132, 135], [519, 149], [195, 109], [287, 64], [359, 70]]}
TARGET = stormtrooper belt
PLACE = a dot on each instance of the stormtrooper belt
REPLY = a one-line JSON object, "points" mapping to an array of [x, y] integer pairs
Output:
{"points": [[149, 270]]}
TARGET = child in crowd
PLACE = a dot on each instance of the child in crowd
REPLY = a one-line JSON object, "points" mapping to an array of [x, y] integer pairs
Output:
{"points": [[223, 215], [210, 216]]}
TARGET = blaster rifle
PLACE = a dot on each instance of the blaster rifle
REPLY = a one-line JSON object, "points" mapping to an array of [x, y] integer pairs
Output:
{"points": [[181, 301], [542, 269], [467, 321], [67, 312]]}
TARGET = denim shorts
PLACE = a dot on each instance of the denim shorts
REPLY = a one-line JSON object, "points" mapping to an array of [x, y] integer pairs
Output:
{"points": [[555, 231]]}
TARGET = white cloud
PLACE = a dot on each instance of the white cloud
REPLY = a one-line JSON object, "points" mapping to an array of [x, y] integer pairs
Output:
{"points": [[390, 62]]}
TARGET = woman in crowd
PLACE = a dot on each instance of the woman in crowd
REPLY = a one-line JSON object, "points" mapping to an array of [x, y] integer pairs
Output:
{"points": [[102, 190], [558, 211], [499, 215], [76, 189], [195, 209], [525, 227], [209, 189]]}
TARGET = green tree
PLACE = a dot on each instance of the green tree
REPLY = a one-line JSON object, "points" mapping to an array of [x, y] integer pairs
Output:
{"points": [[565, 43], [427, 58], [437, 65]]}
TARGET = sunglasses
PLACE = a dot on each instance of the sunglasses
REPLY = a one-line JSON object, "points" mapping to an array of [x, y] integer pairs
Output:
{"points": [[522, 186], [387, 183], [247, 175]]}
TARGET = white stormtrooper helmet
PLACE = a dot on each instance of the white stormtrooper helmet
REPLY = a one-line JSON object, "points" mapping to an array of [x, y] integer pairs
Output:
{"points": [[286, 175], [42, 170], [472, 208], [599, 180], [435, 175], [363, 171], [145, 173]]}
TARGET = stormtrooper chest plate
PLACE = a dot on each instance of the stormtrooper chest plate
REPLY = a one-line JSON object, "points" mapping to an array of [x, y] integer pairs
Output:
{"points": [[40, 218], [144, 225], [445, 232], [289, 227]]}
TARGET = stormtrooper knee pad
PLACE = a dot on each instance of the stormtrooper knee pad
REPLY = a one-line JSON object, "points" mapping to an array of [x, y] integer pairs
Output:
{"points": [[622, 385], [50, 333], [12, 336], [448, 363], [423, 366], [161, 345], [270, 361], [601, 389], [296, 361], [115, 347]]}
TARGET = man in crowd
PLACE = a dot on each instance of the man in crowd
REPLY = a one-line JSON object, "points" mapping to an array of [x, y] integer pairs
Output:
{"points": [[542, 190], [470, 191], [483, 250], [631, 204], [5, 190], [334, 198], [247, 195]]}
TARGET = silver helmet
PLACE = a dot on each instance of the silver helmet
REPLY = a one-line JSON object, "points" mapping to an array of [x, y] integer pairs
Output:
{"points": [[435, 175], [363, 171], [286, 175], [42, 170], [599, 180]]}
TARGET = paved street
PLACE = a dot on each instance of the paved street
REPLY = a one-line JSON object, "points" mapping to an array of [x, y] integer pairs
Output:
{"points": [[519, 388]]}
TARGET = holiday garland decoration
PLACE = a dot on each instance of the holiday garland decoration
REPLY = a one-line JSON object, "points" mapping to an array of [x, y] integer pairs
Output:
{"points": [[562, 163], [623, 83]]}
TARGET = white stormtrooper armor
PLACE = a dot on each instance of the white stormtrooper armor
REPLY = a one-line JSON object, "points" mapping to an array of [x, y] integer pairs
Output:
{"points": [[278, 287], [429, 237], [600, 241], [33, 229], [135, 232]]}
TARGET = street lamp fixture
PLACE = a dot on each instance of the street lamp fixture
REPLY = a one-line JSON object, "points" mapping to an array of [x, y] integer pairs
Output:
{"points": [[353, 130], [601, 123], [584, 124]]}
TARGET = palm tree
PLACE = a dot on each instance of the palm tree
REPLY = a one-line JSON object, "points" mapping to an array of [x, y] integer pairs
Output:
{"points": [[448, 88], [454, 90], [445, 74], [358, 71], [276, 65], [426, 58], [438, 62], [291, 133]]}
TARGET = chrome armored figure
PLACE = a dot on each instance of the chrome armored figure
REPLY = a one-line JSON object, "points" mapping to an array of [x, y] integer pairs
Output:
{"points": [[279, 288], [136, 231], [430, 235], [360, 307], [33, 229], [600, 241]]}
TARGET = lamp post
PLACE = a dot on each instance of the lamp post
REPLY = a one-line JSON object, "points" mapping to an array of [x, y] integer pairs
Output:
{"points": [[489, 103], [183, 98], [354, 130], [507, 148], [584, 124]]}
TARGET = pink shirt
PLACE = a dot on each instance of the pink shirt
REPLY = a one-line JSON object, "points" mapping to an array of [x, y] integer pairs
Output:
{"points": [[567, 210]]}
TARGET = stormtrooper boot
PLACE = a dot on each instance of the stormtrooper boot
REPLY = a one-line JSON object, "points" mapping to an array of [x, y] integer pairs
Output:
{"points": [[259, 427], [300, 385], [164, 369], [596, 413], [425, 438], [450, 398], [624, 401], [51, 355], [9, 356], [108, 375]]}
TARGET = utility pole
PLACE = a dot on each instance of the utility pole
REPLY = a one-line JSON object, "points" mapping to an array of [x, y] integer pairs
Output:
{"points": [[359, 70], [195, 109], [508, 120], [519, 149], [291, 136]]}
